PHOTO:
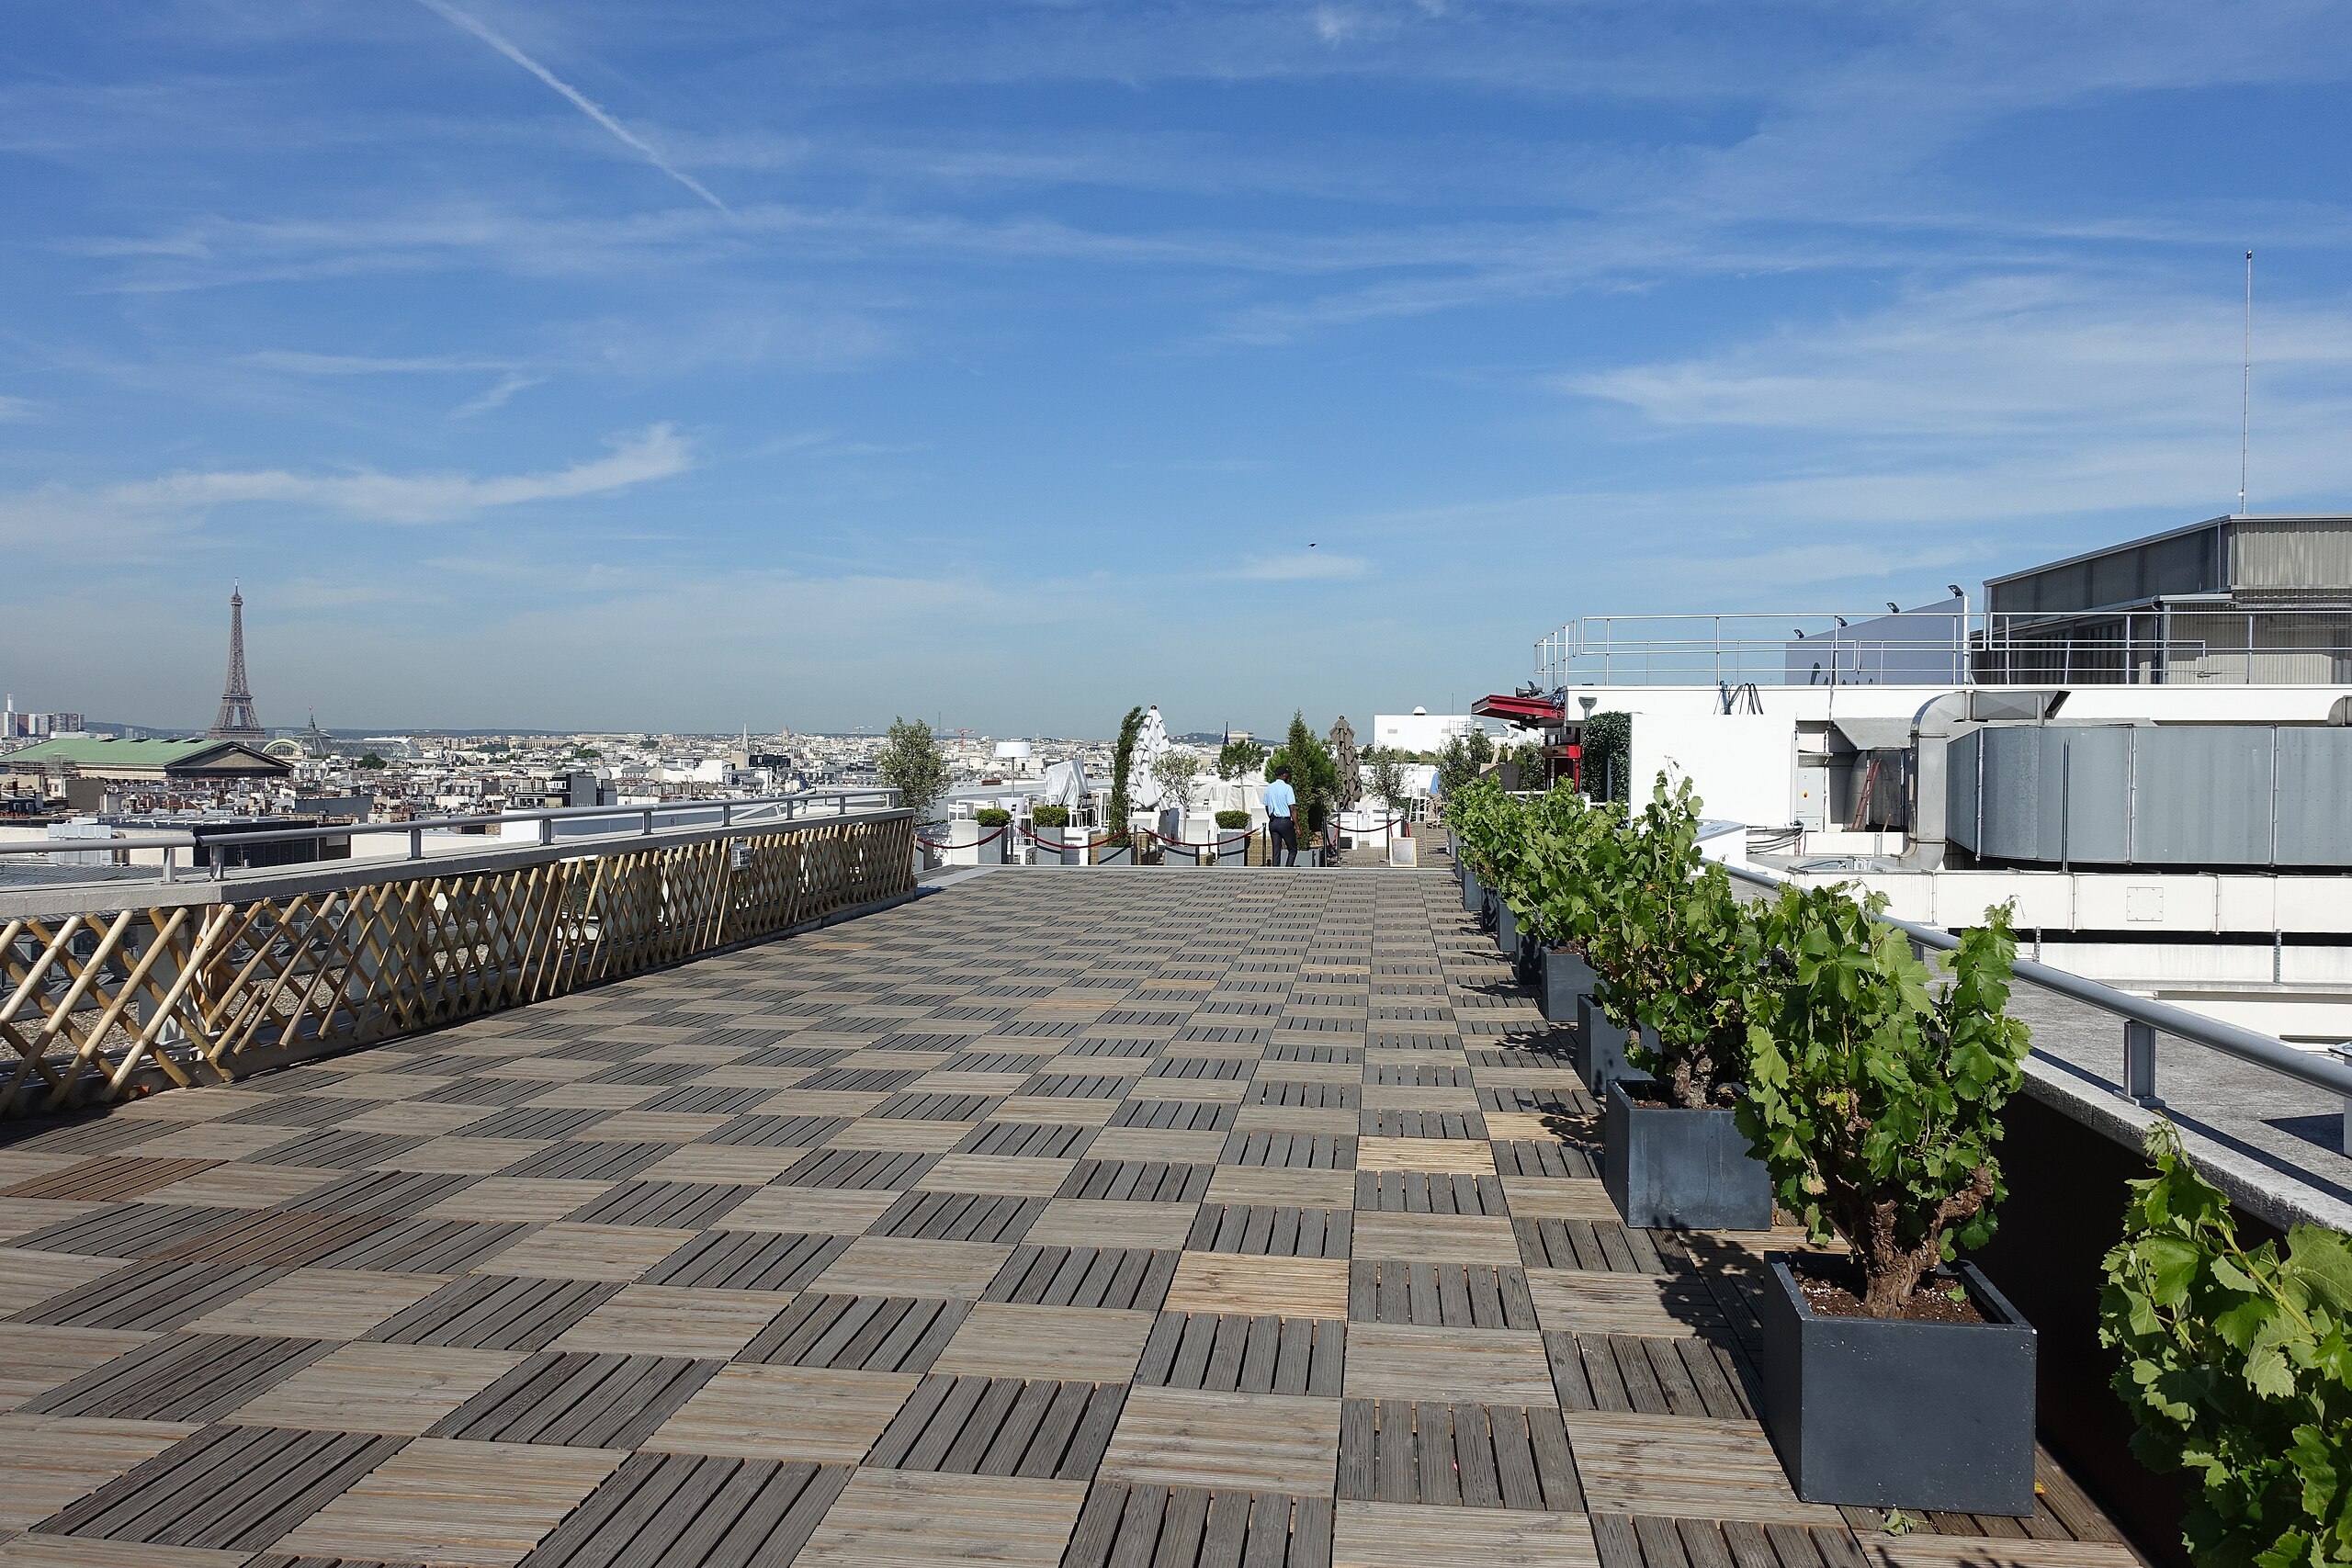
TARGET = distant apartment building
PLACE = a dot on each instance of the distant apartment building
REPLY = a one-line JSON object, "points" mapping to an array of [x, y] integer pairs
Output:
{"points": [[15, 726]]}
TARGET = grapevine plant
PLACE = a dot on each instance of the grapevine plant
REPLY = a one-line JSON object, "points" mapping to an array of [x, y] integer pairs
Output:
{"points": [[2238, 1365], [1673, 947], [1874, 1099]]}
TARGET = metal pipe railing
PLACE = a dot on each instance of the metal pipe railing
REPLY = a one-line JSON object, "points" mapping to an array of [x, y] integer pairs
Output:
{"points": [[2144, 1018], [769, 808]]}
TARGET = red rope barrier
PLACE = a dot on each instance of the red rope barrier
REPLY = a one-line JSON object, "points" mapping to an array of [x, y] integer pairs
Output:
{"points": [[974, 844], [1216, 844]]}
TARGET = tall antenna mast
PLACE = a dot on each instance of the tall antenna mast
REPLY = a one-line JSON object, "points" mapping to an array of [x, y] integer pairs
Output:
{"points": [[2245, 395]]}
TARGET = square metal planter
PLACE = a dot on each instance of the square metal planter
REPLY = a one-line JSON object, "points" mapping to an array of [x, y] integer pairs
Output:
{"points": [[1681, 1169], [1567, 976], [1597, 1049], [1232, 846], [1505, 931], [1872, 1413]]}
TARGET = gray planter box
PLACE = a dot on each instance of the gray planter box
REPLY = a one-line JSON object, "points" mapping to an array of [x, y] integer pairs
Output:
{"points": [[1237, 851], [1474, 896], [1892, 1414], [1116, 854], [1597, 1051], [1060, 846], [1567, 976], [1681, 1169], [1505, 931]]}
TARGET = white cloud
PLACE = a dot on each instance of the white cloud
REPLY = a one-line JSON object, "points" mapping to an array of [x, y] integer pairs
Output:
{"points": [[494, 397], [14, 409], [298, 363], [1304, 566], [2007, 356], [177, 501]]}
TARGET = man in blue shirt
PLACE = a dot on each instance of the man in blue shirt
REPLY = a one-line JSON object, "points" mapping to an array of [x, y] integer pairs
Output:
{"points": [[1281, 819]]}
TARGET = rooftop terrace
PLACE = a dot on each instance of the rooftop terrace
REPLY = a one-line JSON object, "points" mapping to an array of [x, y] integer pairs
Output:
{"points": [[1064, 1216]]}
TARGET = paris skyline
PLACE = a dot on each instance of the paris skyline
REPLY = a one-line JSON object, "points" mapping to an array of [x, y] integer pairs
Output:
{"points": [[1025, 362]]}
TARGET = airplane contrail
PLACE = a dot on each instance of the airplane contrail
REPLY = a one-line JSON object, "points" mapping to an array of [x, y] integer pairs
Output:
{"points": [[579, 100]]}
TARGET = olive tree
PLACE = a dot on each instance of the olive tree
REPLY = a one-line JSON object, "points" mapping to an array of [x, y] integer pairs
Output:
{"points": [[912, 763]]}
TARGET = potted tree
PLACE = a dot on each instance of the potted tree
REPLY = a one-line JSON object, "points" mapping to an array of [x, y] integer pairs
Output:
{"points": [[1232, 839], [1673, 948], [998, 820], [1895, 1376], [1051, 825]]}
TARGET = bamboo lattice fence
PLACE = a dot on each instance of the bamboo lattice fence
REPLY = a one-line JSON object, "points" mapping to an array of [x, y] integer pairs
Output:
{"points": [[106, 1005]]}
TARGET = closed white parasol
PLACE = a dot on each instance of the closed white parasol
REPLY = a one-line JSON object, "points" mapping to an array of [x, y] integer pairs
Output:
{"points": [[1144, 788]]}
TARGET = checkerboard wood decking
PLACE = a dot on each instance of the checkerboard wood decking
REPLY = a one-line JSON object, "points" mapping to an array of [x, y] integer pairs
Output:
{"points": [[1067, 1217]]}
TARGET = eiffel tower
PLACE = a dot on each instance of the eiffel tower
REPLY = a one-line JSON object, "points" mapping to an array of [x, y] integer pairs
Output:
{"points": [[237, 721]]}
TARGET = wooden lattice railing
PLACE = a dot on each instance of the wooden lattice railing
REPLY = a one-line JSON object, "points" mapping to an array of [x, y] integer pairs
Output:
{"points": [[106, 1005]]}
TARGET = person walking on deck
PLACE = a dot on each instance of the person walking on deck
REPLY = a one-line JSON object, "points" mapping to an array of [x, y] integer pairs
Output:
{"points": [[1282, 821]]}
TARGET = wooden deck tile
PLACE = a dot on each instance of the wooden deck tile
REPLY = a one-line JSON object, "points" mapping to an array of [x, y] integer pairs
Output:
{"points": [[1621, 1304], [48, 1462], [1049, 1108], [1435, 1238], [1548, 1198], [464, 1157], [463, 1505], [233, 1488], [786, 1412], [694, 1511], [35, 1359], [579, 1400], [1007, 1339], [1670, 1465], [34, 1550], [1277, 1287], [399, 1389], [1277, 1184], [29, 1278], [1920, 1549], [810, 1210], [1391, 1362], [901, 1134], [1452, 1156], [891, 1266], [664, 1320], [1186, 1438], [517, 1198], [320, 1303], [1004, 1174], [1389, 1535], [208, 1141], [586, 1252], [722, 1163], [905, 1518], [179, 1377], [1085, 1222]]}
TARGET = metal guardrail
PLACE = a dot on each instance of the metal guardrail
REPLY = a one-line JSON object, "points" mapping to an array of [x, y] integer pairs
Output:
{"points": [[2144, 1019], [760, 810], [2181, 644]]}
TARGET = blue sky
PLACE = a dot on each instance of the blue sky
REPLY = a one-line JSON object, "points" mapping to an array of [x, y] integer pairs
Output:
{"points": [[688, 365]]}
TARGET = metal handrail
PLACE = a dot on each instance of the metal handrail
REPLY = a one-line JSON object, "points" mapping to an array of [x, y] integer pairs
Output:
{"points": [[2143, 1019], [772, 808]]}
